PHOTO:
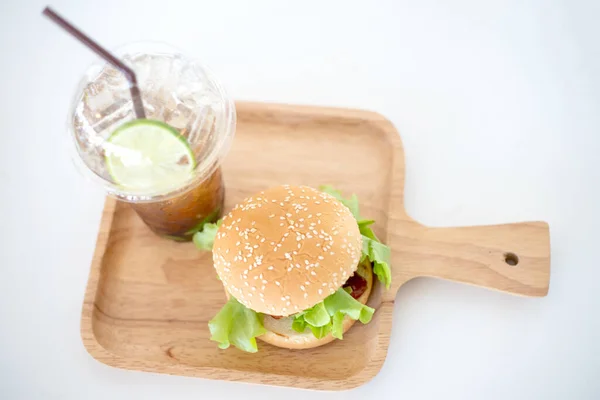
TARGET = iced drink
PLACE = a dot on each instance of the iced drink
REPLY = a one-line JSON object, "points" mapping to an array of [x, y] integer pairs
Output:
{"points": [[168, 166]]}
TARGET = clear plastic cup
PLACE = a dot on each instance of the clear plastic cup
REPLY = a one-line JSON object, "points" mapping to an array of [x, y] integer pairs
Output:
{"points": [[176, 90]]}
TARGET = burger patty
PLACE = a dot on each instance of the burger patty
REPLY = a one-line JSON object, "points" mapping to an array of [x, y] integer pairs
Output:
{"points": [[357, 284]]}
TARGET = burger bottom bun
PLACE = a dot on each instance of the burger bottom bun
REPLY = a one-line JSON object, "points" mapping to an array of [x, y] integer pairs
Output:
{"points": [[280, 332]]}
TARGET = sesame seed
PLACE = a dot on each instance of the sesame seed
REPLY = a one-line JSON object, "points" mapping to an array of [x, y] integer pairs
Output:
{"points": [[320, 257], [277, 283], [270, 268], [313, 273], [305, 295], [320, 291], [302, 288]]}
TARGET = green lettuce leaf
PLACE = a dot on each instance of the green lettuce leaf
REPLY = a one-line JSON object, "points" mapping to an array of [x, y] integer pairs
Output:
{"points": [[205, 238], [379, 254], [320, 331], [342, 302], [317, 316], [337, 325], [365, 250], [236, 325], [365, 230], [328, 315], [299, 324]]}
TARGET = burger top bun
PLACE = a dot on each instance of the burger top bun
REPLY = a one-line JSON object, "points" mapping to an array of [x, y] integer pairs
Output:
{"points": [[285, 249]]}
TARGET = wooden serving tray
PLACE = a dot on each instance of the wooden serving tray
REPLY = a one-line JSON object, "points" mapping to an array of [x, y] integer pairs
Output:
{"points": [[148, 300]]}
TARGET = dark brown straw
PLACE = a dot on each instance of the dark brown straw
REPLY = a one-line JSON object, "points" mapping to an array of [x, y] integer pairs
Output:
{"points": [[96, 48]]}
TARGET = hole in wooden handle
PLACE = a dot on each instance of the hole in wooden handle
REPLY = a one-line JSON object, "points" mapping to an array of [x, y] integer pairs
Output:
{"points": [[511, 259]]}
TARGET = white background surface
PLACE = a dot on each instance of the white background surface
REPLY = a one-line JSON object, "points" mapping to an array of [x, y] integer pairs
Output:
{"points": [[497, 103]]}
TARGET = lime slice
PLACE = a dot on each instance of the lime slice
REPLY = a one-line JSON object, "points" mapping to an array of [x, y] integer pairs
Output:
{"points": [[148, 155]]}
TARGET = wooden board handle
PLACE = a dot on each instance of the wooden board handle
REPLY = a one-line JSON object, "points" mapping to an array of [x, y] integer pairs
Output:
{"points": [[513, 258]]}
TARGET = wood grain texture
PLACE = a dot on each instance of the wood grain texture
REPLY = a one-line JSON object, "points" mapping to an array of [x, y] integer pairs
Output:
{"points": [[148, 300]]}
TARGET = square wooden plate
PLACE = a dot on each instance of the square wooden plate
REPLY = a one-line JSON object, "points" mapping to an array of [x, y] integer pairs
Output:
{"points": [[148, 300]]}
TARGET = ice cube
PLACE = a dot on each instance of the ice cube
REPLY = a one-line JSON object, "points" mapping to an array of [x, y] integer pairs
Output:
{"points": [[179, 117]]}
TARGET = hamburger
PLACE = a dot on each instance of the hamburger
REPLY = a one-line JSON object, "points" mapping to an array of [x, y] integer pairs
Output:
{"points": [[297, 265]]}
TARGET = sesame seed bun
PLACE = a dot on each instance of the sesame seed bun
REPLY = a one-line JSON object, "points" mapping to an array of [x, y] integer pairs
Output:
{"points": [[286, 249], [280, 332]]}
